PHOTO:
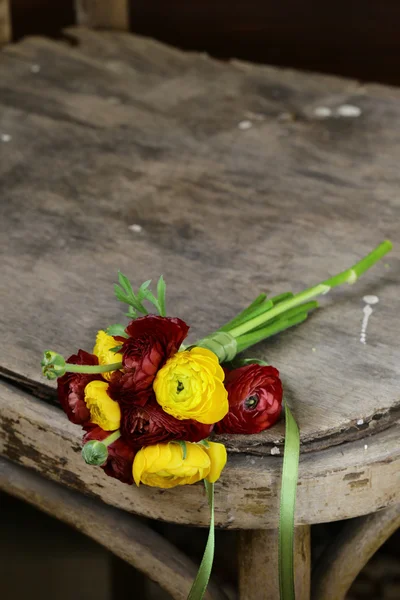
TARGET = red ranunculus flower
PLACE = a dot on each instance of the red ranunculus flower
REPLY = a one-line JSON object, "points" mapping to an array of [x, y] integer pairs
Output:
{"points": [[146, 424], [71, 388], [152, 340], [255, 399], [120, 455]]}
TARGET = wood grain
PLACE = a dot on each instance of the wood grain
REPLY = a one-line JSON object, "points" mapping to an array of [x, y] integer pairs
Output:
{"points": [[258, 564], [122, 130], [122, 534], [5, 22], [103, 13], [337, 483], [344, 558]]}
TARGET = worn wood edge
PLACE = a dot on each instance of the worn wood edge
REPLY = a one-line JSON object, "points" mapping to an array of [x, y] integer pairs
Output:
{"points": [[5, 22], [344, 558], [103, 13], [380, 420], [339, 483], [123, 534]]}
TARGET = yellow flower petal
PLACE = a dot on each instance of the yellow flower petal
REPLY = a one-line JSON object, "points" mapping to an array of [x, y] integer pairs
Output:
{"points": [[163, 465], [139, 465], [104, 411], [102, 350], [218, 458], [189, 386]]}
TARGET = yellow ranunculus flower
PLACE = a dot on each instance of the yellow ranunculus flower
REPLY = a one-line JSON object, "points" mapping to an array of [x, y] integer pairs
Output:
{"points": [[102, 350], [218, 457], [189, 386], [104, 411], [163, 465]]}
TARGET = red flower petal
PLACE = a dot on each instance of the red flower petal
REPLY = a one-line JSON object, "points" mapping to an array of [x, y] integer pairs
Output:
{"points": [[71, 388], [255, 400]]}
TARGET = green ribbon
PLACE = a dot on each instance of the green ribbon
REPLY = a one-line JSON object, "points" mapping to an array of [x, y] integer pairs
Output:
{"points": [[222, 343], [287, 507], [203, 574]]}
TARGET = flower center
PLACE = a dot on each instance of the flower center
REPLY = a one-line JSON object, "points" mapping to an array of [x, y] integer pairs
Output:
{"points": [[180, 387], [251, 402]]}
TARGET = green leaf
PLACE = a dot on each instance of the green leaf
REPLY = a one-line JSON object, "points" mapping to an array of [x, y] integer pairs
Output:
{"points": [[132, 314], [203, 575], [161, 289], [121, 296], [184, 448], [142, 290], [117, 329], [116, 348], [125, 283], [151, 298], [204, 443]]}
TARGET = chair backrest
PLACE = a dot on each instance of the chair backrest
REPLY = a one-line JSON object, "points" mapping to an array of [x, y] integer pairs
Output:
{"points": [[111, 14]]}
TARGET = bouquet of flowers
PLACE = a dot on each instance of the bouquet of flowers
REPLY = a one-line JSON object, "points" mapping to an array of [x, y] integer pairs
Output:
{"points": [[148, 404]]}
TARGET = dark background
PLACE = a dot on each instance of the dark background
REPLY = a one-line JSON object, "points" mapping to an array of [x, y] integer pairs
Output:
{"points": [[354, 38]]}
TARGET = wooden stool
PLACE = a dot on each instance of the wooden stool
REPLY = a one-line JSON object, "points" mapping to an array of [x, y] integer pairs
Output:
{"points": [[230, 179]]}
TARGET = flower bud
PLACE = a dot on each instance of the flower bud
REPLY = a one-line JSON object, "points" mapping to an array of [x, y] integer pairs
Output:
{"points": [[53, 365], [95, 453]]}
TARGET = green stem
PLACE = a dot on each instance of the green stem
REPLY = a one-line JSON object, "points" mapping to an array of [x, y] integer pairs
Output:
{"points": [[245, 313], [291, 313], [349, 275], [112, 438], [92, 369], [249, 339]]}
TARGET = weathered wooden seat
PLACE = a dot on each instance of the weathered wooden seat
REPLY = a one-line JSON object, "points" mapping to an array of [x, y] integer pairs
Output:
{"points": [[228, 178]]}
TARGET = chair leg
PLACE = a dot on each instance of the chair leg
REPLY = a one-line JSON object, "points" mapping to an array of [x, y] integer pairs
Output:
{"points": [[344, 558], [258, 564]]}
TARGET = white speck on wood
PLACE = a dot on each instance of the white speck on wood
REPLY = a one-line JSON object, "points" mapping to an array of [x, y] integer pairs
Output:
{"points": [[136, 228], [275, 450], [348, 110], [360, 422], [314, 349], [5, 137], [35, 68], [322, 112], [367, 313], [371, 299], [243, 125], [365, 446]]}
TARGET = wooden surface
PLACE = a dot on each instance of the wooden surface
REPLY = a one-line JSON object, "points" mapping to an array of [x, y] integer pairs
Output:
{"points": [[334, 484], [122, 534], [5, 22], [258, 564], [123, 131], [103, 13], [349, 553]]}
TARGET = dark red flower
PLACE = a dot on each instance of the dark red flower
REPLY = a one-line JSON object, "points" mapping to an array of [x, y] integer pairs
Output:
{"points": [[152, 340], [255, 400], [143, 425], [71, 388], [120, 455]]}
